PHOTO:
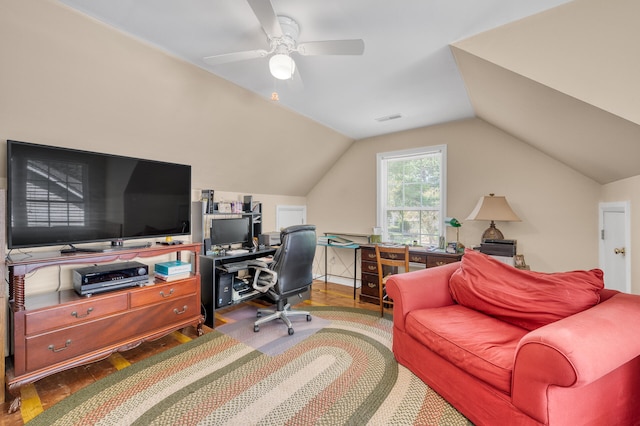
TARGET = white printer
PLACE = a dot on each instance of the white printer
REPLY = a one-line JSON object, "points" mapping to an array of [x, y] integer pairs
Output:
{"points": [[270, 239]]}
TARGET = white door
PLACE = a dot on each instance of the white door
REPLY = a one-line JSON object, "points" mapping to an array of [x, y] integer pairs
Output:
{"points": [[615, 248], [290, 215]]}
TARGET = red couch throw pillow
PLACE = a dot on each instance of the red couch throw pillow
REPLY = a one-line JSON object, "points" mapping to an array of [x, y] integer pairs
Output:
{"points": [[524, 298]]}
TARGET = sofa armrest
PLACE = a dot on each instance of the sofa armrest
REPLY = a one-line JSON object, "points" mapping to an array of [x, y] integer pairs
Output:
{"points": [[425, 288], [575, 351]]}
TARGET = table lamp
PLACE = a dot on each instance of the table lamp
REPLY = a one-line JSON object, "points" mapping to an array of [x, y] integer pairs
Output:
{"points": [[493, 208]]}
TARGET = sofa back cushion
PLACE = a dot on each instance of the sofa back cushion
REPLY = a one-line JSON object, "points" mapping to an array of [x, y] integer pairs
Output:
{"points": [[524, 298]]}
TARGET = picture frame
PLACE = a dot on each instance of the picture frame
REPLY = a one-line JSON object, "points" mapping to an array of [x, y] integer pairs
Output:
{"points": [[452, 247], [518, 261]]}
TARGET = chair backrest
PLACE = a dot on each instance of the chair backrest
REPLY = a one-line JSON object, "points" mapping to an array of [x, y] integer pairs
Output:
{"points": [[393, 257], [293, 261]]}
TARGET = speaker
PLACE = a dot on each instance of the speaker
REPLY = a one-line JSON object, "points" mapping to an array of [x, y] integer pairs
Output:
{"points": [[207, 289], [197, 224]]}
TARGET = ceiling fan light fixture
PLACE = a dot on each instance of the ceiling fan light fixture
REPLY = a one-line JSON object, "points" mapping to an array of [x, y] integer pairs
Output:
{"points": [[282, 66]]}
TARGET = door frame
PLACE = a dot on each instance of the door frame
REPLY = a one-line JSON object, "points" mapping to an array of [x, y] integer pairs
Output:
{"points": [[286, 208], [620, 207]]}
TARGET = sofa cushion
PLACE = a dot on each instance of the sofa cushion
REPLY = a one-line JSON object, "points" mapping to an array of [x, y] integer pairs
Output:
{"points": [[524, 298], [481, 345]]}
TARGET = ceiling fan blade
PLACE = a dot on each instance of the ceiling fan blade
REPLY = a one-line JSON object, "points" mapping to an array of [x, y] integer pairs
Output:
{"points": [[234, 57], [265, 13], [332, 47]]}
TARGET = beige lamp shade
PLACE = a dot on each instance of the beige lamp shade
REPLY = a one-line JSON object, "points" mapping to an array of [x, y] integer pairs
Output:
{"points": [[493, 208]]}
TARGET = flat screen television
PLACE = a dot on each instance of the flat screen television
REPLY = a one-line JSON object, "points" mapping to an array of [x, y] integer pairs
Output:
{"points": [[60, 196], [229, 231]]}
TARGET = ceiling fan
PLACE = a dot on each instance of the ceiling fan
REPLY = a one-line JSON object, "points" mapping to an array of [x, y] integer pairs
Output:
{"points": [[282, 33]]}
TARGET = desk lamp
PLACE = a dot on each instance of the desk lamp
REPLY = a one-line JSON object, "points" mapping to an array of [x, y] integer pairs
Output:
{"points": [[493, 208]]}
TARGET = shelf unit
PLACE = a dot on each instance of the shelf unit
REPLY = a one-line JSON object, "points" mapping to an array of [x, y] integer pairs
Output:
{"points": [[56, 331], [252, 210]]}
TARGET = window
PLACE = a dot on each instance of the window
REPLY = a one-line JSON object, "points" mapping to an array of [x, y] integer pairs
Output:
{"points": [[411, 195]]}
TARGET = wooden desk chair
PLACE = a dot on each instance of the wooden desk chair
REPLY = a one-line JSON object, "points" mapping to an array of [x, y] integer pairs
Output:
{"points": [[389, 259]]}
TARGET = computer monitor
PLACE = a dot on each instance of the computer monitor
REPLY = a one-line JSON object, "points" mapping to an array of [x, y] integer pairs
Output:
{"points": [[228, 231]]}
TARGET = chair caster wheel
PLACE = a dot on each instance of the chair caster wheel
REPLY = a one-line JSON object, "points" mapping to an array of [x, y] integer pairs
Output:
{"points": [[308, 317], [290, 331], [259, 315], [256, 328]]}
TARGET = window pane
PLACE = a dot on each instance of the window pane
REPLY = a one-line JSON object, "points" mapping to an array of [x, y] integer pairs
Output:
{"points": [[413, 204]]}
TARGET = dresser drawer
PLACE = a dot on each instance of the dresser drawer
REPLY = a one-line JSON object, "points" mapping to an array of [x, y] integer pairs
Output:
{"points": [[61, 345], [69, 314], [369, 268], [167, 314], [418, 258], [369, 285], [435, 260], [368, 254], [162, 292]]}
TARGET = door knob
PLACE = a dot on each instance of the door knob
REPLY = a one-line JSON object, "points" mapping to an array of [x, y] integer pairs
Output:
{"points": [[619, 251]]}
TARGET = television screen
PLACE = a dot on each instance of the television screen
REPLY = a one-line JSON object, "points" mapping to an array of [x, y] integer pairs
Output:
{"points": [[225, 232], [59, 196]]}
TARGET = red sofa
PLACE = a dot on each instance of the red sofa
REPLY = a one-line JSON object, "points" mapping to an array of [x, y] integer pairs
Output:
{"points": [[578, 368]]}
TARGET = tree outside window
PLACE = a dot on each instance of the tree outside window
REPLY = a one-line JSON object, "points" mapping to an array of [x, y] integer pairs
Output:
{"points": [[411, 195]]}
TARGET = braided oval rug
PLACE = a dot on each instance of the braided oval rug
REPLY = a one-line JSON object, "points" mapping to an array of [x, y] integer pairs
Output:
{"points": [[344, 373]]}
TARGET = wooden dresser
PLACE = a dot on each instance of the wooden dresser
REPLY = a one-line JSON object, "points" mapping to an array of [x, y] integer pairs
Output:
{"points": [[369, 268], [59, 330]]}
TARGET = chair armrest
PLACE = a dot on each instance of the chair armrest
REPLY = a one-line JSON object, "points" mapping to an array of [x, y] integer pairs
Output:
{"points": [[264, 279], [575, 351], [425, 288]]}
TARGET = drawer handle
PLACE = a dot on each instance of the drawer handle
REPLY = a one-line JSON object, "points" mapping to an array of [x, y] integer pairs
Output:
{"points": [[372, 268], [66, 345], [372, 285], [439, 263], [371, 256], [75, 314], [393, 256], [166, 295], [415, 259], [177, 312]]}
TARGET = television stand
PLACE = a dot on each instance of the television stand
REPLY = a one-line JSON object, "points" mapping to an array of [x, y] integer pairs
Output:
{"points": [[59, 330]]}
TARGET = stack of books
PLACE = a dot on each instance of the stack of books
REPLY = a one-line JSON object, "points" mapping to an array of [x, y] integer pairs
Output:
{"points": [[173, 270]]}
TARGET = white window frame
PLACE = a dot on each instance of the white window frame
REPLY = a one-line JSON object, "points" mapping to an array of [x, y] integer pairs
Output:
{"points": [[381, 157]]}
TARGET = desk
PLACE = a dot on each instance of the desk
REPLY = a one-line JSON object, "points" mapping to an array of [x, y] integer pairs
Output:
{"points": [[429, 258], [214, 282], [355, 248]]}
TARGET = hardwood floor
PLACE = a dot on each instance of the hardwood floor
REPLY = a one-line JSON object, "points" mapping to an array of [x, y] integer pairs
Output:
{"points": [[46, 392]]}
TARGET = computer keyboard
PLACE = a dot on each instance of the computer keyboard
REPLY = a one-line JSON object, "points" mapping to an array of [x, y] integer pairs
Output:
{"points": [[236, 251], [235, 266]]}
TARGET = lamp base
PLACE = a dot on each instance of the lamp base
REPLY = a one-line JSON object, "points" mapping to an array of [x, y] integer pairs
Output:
{"points": [[492, 233]]}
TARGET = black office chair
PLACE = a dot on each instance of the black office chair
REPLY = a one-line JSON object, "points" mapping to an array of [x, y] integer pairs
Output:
{"points": [[289, 274]]}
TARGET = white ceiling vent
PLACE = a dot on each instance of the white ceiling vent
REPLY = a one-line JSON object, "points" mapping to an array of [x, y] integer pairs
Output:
{"points": [[389, 117]]}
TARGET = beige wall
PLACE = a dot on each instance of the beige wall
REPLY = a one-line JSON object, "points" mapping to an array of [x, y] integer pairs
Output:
{"points": [[68, 80], [628, 190], [558, 206]]}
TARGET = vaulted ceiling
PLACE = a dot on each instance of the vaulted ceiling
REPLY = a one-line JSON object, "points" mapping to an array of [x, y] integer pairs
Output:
{"points": [[560, 75], [564, 81], [407, 68]]}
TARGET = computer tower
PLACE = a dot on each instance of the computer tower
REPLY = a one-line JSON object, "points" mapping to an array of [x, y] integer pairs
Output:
{"points": [[215, 289], [224, 289]]}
